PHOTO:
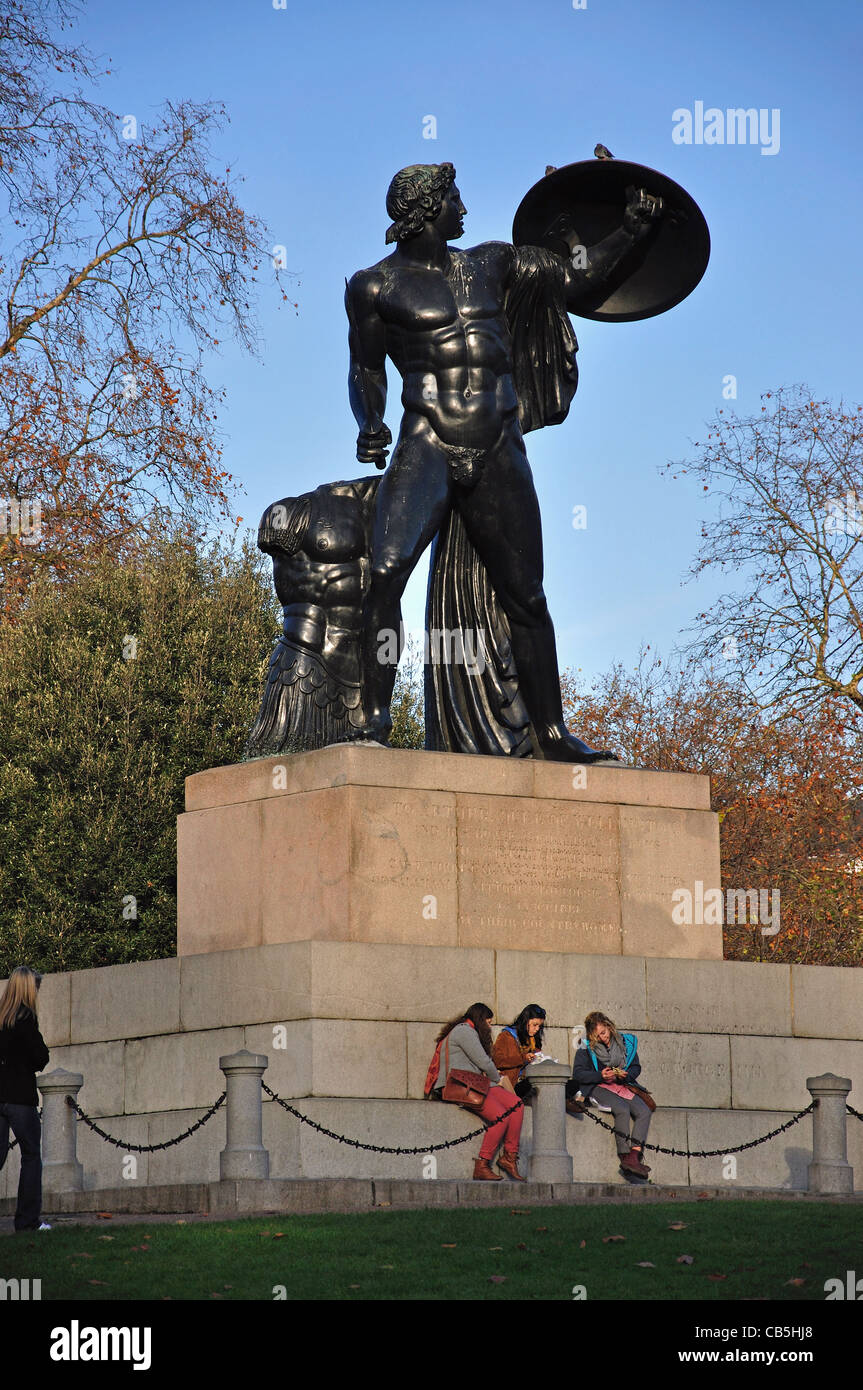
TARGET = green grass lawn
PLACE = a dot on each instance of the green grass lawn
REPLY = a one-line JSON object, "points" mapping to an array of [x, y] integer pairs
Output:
{"points": [[739, 1250]]}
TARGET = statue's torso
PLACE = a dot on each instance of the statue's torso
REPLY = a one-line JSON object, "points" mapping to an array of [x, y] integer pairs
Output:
{"points": [[330, 567], [447, 334]]}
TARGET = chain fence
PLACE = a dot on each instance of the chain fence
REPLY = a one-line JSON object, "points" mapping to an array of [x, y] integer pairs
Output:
{"points": [[410, 1152], [709, 1153], [380, 1148], [145, 1148], [453, 1143]]}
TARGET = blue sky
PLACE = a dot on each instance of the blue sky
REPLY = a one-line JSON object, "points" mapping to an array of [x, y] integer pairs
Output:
{"points": [[327, 101]]}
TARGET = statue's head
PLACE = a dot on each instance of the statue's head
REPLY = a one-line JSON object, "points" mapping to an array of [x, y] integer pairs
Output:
{"points": [[416, 196]]}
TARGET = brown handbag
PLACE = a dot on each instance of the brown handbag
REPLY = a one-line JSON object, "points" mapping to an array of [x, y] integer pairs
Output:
{"points": [[642, 1094], [465, 1088]]}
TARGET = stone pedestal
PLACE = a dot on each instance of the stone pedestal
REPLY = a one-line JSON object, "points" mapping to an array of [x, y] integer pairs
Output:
{"points": [[829, 1171], [61, 1171], [549, 1158], [243, 1156], [349, 1029], [354, 843]]}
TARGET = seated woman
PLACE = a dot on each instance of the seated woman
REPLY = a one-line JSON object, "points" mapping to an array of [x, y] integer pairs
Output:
{"points": [[604, 1061], [516, 1046], [464, 1044]]}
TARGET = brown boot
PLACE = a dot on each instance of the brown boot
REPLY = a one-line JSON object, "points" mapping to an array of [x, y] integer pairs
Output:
{"points": [[482, 1170], [508, 1163], [631, 1163]]}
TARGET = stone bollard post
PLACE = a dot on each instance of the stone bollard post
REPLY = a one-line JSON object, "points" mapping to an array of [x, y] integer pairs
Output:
{"points": [[61, 1171], [549, 1160], [829, 1170], [244, 1156]]}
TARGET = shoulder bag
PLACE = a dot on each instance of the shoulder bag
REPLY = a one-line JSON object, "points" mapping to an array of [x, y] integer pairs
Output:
{"points": [[465, 1088]]}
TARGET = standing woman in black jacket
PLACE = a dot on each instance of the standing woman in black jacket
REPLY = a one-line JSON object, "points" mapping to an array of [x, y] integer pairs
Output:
{"points": [[22, 1054]]}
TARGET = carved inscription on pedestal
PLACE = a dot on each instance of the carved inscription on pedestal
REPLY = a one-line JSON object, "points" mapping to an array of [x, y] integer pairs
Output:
{"points": [[538, 875]]}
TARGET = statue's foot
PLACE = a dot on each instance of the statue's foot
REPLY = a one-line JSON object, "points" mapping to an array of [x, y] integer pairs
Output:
{"points": [[559, 746], [376, 729]]}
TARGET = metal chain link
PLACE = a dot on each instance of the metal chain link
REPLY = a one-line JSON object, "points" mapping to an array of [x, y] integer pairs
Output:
{"points": [[379, 1148], [852, 1111], [144, 1148], [708, 1153]]}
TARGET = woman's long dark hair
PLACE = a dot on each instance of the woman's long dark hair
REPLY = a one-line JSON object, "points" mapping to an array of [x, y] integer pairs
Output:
{"points": [[478, 1015], [520, 1025]]}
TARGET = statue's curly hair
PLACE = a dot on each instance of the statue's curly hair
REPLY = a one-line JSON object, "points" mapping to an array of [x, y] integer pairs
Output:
{"points": [[415, 196]]}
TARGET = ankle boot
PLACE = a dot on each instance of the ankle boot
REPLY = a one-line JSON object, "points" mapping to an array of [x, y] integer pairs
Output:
{"points": [[631, 1163], [508, 1163], [482, 1171]]}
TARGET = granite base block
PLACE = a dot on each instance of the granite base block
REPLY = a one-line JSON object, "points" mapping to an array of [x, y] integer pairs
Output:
{"points": [[410, 848]]}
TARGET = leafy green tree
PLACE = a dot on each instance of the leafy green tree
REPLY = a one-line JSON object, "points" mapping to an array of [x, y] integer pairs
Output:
{"points": [[406, 707], [113, 690]]}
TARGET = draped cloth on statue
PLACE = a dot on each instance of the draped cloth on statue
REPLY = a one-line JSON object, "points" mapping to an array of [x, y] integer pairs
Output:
{"points": [[477, 707], [470, 708], [543, 342]]}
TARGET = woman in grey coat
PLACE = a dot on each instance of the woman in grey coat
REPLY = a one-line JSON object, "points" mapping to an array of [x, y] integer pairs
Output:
{"points": [[464, 1044], [604, 1062]]}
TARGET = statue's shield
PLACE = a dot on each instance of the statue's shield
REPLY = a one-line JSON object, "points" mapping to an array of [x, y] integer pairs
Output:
{"points": [[660, 270]]}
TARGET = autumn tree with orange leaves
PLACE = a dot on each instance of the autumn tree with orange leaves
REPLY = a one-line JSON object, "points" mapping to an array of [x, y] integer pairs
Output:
{"points": [[788, 790], [124, 257]]}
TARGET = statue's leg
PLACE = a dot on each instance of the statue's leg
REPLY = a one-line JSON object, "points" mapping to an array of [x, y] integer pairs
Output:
{"points": [[412, 502], [502, 519]]}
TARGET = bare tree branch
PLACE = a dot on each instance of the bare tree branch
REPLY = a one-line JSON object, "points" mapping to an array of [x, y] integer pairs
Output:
{"points": [[788, 487], [123, 262]]}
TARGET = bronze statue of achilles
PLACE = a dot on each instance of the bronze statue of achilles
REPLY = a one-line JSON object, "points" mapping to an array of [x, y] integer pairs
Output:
{"points": [[486, 353]]}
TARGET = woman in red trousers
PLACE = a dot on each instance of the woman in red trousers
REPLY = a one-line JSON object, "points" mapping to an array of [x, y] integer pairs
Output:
{"points": [[464, 1044]]}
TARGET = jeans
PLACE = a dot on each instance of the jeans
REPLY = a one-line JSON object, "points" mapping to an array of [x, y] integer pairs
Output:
{"points": [[23, 1120]]}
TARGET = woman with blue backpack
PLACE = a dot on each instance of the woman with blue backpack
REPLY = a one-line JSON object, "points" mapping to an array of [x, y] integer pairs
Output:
{"points": [[605, 1070]]}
